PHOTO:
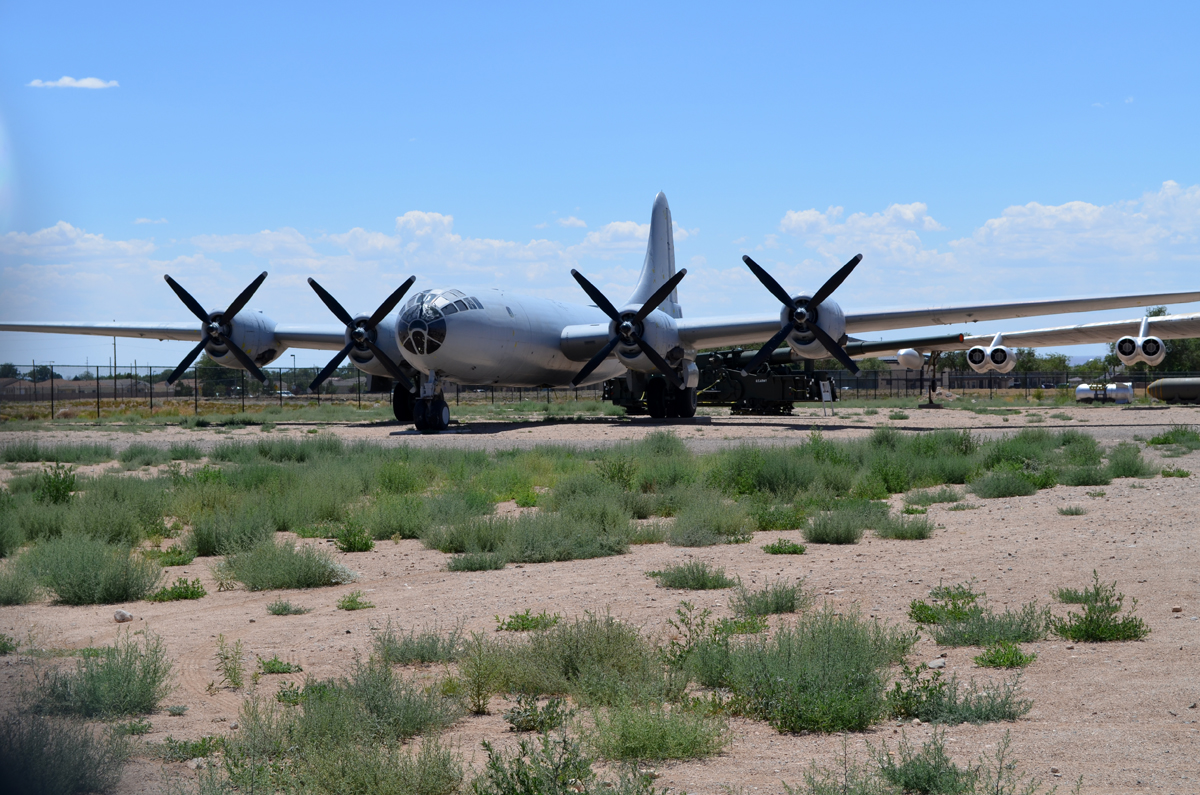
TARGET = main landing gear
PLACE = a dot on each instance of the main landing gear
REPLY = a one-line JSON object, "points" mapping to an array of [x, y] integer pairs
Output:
{"points": [[427, 411], [664, 400]]}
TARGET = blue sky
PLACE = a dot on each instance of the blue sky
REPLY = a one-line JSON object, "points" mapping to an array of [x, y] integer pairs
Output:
{"points": [[971, 153]]}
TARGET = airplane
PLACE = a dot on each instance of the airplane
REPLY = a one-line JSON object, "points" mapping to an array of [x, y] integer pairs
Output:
{"points": [[452, 336]]}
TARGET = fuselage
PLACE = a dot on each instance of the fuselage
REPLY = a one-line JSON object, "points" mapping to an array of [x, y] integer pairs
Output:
{"points": [[495, 337]]}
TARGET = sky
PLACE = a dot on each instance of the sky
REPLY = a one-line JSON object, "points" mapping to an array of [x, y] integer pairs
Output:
{"points": [[971, 152]]}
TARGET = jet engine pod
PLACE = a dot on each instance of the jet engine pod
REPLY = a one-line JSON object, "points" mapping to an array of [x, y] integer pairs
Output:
{"points": [[977, 357], [1127, 350], [910, 359], [1153, 351], [1002, 359]]}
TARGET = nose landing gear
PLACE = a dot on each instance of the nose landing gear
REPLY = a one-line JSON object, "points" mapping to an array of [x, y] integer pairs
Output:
{"points": [[431, 414]]}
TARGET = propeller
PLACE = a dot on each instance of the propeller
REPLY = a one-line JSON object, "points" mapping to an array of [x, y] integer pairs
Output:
{"points": [[217, 327], [802, 317], [629, 327], [362, 332]]}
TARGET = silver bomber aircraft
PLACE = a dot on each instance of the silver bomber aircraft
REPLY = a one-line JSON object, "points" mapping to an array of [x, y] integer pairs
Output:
{"points": [[441, 336]]}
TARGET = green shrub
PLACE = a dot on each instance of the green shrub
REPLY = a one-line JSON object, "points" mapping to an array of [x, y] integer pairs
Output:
{"points": [[653, 732], [383, 770], [139, 454], [375, 701], [17, 586], [774, 598], [429, 646], [354, 601], [231, 659], [11, 534], [846, 522], [1085, 476], [277, 566], [398, 477], [784, 546], [1125, 461], [768, 516], [826, 673], [397, 517], [1176, 472], [704, 521], [277, 666], [986, 628], [48, 756], [181, 555], [938, 700], [476, 561], [81, 570], [282, 607], [1184, 435], [55, 485], [1072, 510], [27, 452], [182, 589], [126, 678], [1004, 655], [528, 716], [1101, 619], [8, 644], [901, 529], [527, 622], [897, 415], [1004, 483], [554, 765], [929, 497], [184, 451], [692, 576], [229, 533], [929, 770], [353, 537]]}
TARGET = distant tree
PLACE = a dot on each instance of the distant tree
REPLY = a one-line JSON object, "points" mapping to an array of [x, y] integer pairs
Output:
{"points": [[1027, 359], [955, 361], [9, 370], [42, 372]]}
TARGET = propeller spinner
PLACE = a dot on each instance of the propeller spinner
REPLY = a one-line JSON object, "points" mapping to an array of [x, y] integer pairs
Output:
{"points": [[362, 332], [217, 326], [629, 327], [802, 316]]}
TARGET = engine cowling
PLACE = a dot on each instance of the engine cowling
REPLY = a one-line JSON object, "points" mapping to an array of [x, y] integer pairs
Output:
{"points": [[831, 319], [999, 358], [1132, 350], [386, 340], [910, 359], [254, 333]]}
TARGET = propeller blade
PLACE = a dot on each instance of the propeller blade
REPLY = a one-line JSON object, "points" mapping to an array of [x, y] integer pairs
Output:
{"points": [[187, 360], [244, 358], [331, 302], [770, 283], [605, 305], [834, 281], [329, 368], [188, 301], [831, 345], [387, 306], [594, 362], [660, 295], [765, 351], [391, 366], [659, 362], [240, 301]]}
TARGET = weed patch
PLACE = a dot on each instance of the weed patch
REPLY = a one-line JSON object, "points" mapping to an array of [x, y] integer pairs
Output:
{"points": [[774, 598], [1072, 510], [277, 666], [1176, 472], [182, 589], [354, 601], [282, 607], [1004, 655], [784, 546], [48, 756], [231, 660], [428, 646], [938, 700], [476, 561], [271, 566], [692, 576], [1101, 619], [1125, 461], [17, 586], [986, 628], [527, 622], [127, 678], [354, 537], [653, 732], [528, 716], [81, 570]]}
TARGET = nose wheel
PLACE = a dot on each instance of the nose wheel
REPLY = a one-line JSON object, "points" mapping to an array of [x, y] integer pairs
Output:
{"points": [[431, 414], [663, 400]]}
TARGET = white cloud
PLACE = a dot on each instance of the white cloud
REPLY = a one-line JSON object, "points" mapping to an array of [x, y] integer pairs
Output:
{"points": [[63, 242], [891, 236], [70, 82], [572, 221], [150, 221]]}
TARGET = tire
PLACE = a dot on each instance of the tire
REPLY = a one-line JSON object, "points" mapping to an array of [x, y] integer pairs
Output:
{"points": [[421, 414], [402, 404], [438, 418], [684, 403], [656, 398]]}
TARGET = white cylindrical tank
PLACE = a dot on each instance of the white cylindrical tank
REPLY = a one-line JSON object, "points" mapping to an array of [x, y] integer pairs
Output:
{"points": [[1105, 393]]}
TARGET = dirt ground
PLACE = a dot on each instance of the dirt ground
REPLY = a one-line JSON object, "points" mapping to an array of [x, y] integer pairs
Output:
{"points": [[1122, 715]]}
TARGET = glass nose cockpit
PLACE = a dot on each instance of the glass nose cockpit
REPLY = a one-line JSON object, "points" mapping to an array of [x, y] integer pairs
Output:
{"points": [[423, 319]]}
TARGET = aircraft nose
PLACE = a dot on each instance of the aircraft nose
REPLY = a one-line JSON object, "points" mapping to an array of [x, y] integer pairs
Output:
{"points": [[422, 337]]}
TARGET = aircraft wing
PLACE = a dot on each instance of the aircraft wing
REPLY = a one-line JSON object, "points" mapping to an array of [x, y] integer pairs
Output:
{"points": [[1167, 327], [329, 338], [745, 330], [938, 316]]}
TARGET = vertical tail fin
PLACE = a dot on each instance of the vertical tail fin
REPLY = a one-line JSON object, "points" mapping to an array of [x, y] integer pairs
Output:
{"points": [[660, 259]]}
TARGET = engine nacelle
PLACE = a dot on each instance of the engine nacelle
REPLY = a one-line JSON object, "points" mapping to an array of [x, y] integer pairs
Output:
{"points": [[1131, 350], [910, 359], [254, 333], [831, 319], [659, 330], [999, 358], [386, 339]]}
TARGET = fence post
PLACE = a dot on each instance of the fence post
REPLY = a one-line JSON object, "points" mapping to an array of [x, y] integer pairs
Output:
{"points": [[195, 388], [97, 393], [150, 382], [52, 391], [243, 372]]}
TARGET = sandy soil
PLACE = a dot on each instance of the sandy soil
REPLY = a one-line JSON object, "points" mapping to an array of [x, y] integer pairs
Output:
{"points": [[1121, 715]]}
